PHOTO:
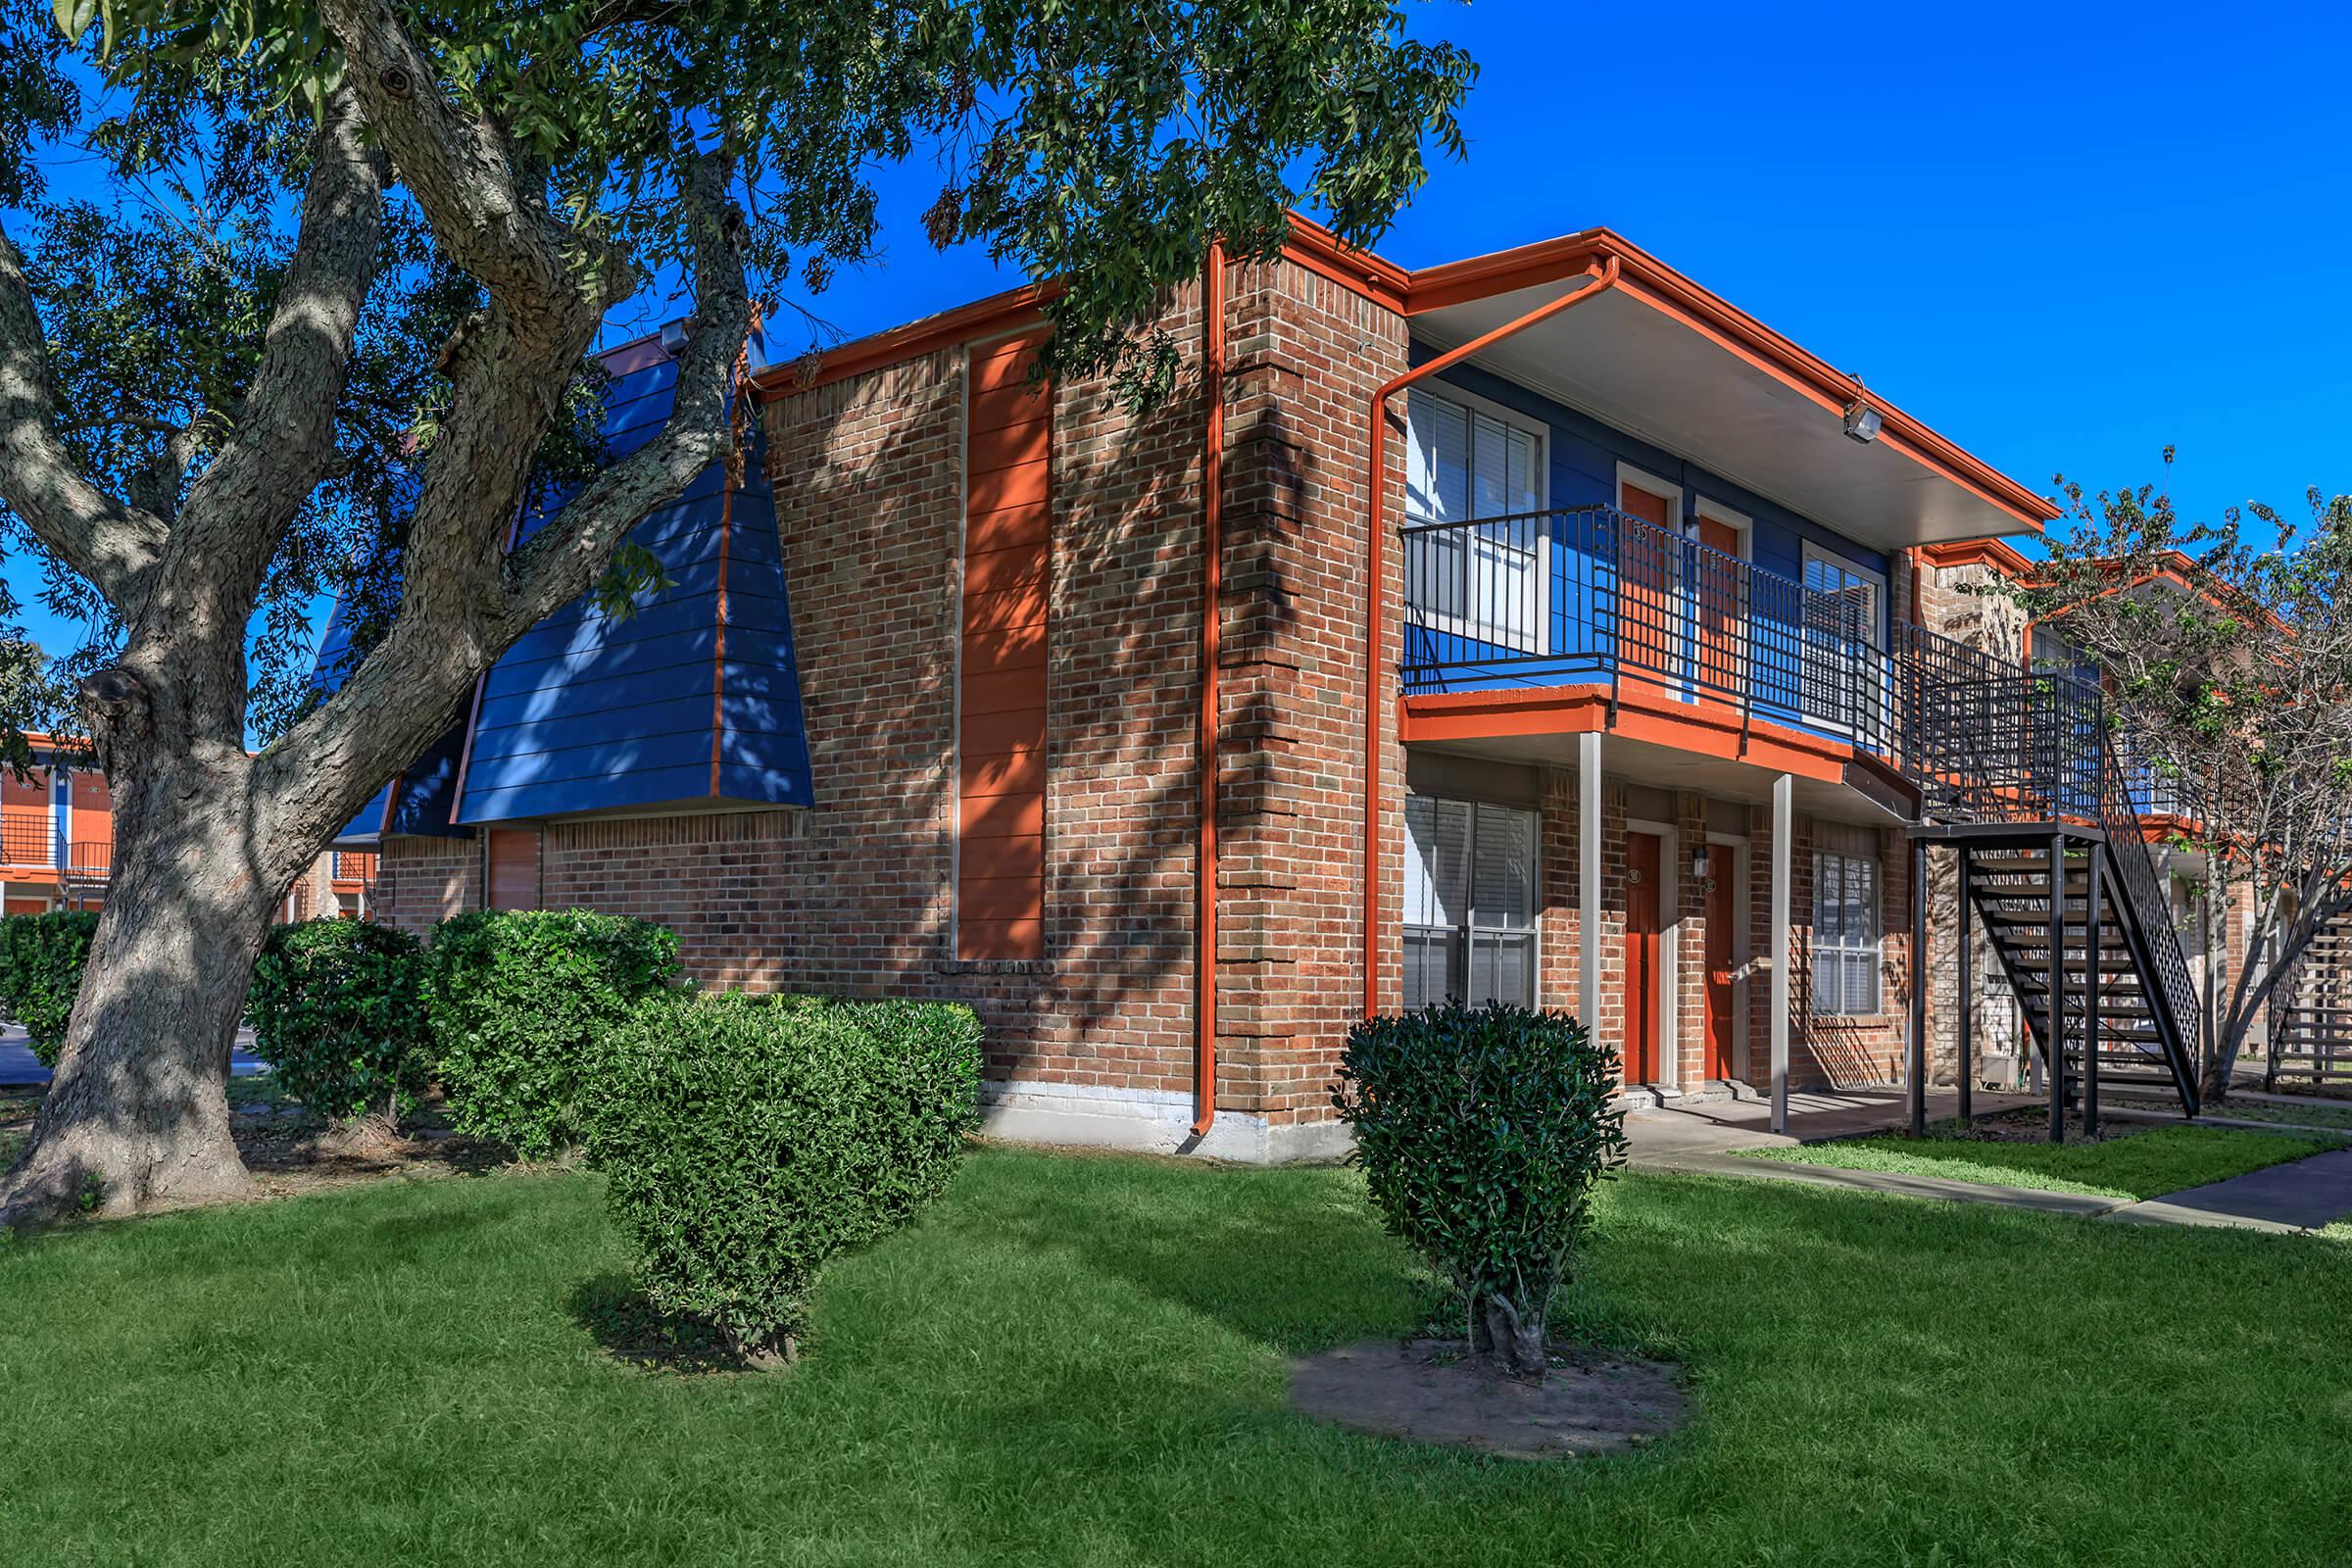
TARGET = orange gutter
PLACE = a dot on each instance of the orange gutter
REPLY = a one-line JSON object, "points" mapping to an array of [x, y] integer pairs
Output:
{"points": [[1212, 590], [1376, 484]]}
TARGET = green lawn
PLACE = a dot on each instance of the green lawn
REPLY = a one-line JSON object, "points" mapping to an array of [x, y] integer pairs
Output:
{"points": [[2130, 1164], [1081, 1360]]}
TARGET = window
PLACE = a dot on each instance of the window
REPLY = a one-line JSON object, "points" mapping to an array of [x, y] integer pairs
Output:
{"points": [[1469, 901], [1463, 464], [1843, 685], [1845, 933]]}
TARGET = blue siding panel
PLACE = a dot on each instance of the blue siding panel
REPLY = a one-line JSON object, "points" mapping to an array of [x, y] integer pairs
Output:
{"points": [[594, 713], [590, 713]]}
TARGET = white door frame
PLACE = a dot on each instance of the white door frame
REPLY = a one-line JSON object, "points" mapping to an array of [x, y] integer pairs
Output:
{"points": [[1743, 954], [1670, 939]]}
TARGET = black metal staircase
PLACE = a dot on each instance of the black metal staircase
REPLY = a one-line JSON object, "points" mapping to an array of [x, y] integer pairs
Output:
{"points": [[2016, 770]]}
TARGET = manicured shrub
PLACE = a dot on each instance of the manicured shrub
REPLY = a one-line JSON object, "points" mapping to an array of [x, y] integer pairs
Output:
{"points": [[749, 1140], [1482, 1132], [41, 959], [338, 1012], [519, 999]]}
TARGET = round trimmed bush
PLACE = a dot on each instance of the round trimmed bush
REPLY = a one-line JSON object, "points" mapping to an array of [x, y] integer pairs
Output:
{"points": [[41, 960], [1482, 1131], [520, 999], [748, 1140], [338, 1012]]}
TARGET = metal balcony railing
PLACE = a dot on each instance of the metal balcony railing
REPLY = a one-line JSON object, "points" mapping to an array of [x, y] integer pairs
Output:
{"points": [[27, 840], [1588, 594], [91, 860]]}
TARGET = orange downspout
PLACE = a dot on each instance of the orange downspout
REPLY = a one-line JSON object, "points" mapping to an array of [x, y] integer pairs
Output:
{"points": [[1212, 588], [1376, 701]]}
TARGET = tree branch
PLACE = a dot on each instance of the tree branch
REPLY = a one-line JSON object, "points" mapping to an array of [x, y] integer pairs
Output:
{"points": [[460, 607], [561, 560], [113, 544], [491, 221], [284, 442]]}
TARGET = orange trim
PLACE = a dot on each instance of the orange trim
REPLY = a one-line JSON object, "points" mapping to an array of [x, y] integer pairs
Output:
{"points": [[1320, 251], [1377, 684], [1212, 592], [999, 312], [1989, 553], [1703, 729]]}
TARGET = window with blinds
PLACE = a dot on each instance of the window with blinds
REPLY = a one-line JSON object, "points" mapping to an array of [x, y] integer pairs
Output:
{"points": [[1845, 933], [1470, 871], [1464, 464]]}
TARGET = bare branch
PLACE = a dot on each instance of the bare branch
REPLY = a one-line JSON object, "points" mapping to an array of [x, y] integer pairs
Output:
{"points": [[109, 542]]}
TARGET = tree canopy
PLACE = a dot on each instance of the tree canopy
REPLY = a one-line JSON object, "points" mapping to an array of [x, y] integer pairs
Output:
{"points": [[1094, 144], [2224, 649]]}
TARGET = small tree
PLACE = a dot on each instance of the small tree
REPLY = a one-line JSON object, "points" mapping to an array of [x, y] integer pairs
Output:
{"points": [[1482, 1132], [2225, 652], [338, 1012], [748, 1140]]}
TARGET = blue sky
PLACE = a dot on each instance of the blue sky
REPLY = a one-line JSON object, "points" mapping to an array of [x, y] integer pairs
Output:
{"points": [[2065, 236]]}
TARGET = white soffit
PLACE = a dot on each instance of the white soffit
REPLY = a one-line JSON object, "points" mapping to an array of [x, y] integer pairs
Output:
{"points": [[1630, 365]]}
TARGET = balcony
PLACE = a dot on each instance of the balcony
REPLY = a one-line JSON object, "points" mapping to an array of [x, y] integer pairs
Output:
{"points": [[1589, 596], [27, 840]]}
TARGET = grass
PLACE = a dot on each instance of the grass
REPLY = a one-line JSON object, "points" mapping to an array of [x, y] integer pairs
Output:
{"points": [[1081, 1361], [2131, 1163]]}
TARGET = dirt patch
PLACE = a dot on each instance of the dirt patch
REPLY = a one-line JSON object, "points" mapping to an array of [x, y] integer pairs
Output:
{"points": [[1432, 1391]]}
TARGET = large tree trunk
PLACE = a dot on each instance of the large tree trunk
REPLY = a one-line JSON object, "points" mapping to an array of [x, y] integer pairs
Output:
{"points": [[137, 1116]]}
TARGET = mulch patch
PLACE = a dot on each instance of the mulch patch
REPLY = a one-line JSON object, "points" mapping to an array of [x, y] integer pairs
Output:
{"points": [[1434, 1391]]}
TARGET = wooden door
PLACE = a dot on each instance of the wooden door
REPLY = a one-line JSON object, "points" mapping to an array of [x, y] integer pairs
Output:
{"points": [[93, 828], [1721, 923], [514, 868], [1715, 591], [1643, 865], [1645, 618]]}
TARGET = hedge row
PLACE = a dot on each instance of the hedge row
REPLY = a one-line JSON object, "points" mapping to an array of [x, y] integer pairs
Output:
{"points": [[355, 1017]]}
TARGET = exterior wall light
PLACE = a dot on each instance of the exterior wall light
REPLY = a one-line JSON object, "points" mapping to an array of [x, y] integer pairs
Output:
{"points": [[1862, 420]]}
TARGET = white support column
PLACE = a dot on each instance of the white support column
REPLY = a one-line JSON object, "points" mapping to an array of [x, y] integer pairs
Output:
{"points": [[1588, 882], [1784, 828]]}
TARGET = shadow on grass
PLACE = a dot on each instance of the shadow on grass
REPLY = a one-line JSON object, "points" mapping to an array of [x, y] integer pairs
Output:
{"points": [[614, 1311]]}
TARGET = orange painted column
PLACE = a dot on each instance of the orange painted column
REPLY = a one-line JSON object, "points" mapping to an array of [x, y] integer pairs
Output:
{"points": [[1000, 693]]}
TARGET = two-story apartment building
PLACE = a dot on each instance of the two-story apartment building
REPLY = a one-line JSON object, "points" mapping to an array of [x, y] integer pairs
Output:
{"points": [[57, 835], [57, 844], [1538, 626]]}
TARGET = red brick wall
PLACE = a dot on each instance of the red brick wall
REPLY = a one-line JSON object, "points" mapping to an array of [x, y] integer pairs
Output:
{"points": [[854, 896]]}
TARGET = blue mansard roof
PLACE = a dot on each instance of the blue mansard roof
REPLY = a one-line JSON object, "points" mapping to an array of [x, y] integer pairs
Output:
{"points": [[694, 700]]}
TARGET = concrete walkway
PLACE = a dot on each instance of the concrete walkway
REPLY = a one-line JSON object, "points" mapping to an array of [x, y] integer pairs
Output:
{"points": [[1707, 1137], [2304, 1195], [1720, 1126]]}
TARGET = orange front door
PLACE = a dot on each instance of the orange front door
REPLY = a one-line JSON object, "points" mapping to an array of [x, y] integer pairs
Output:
{"points": [[1645, 638], [1642, 862], [1720, 1012], [514, 868]]}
